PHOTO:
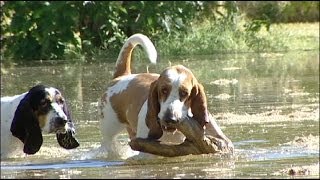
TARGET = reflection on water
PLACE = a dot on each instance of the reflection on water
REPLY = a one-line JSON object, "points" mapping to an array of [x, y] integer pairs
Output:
{"points": [[63, 165], [268, 105]]}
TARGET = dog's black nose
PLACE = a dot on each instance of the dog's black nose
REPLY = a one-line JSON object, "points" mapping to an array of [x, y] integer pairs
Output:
{"points": [[61, 121], [170, 118]]}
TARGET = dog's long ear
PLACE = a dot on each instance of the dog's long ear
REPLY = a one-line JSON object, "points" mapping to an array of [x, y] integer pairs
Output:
{"points": [[152, 113], [199, 104], [25, 126]]}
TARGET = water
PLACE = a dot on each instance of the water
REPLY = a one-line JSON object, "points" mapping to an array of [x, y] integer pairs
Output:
{"points": [[267, 104]]}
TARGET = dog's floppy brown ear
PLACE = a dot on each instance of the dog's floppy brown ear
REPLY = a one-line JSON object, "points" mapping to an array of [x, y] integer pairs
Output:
{"points": [[25, 126], [152, 113], [199, 104]]}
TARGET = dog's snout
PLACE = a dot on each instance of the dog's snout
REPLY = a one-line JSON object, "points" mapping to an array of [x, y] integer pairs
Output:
{"points": [[170, 117], [168, 121], [61, 121]]}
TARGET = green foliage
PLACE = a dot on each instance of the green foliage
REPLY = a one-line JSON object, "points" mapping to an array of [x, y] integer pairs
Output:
{"points": [[91, 30], [256, 25], [107, 24], [100, 26], [59, 30], [252, 40], [38, 30], [301, 11], [281, 11]]}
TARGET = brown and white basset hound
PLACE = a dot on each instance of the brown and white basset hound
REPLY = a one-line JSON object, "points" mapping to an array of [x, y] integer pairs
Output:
{"points": [[148, 105]]}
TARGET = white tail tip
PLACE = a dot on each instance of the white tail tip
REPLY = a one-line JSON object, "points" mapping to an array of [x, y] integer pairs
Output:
{"points": [[147, 45]]}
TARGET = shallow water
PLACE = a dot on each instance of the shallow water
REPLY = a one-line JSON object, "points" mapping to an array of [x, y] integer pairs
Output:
{"points": [[267, 104]]}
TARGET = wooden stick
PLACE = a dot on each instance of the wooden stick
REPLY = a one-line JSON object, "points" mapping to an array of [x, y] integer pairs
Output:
{"points": [[155, 147], [196, 142]]}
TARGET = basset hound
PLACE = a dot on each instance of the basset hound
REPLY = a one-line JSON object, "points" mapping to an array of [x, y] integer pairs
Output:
{"points": [[149, 105], [24, 117]]}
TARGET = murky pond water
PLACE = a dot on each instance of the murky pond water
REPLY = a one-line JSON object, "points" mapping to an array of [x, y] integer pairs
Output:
{"points": [[267, 104]]}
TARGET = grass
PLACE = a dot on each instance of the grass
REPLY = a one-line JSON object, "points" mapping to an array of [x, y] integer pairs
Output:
{"points": [[299, 36], [219, 37], [211, 38]]}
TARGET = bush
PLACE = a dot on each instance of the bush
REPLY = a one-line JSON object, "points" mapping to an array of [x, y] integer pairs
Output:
{"points": [[59, 30], [281, 11], [48, 30], [38, 30], [56, 30], [301, 11]]}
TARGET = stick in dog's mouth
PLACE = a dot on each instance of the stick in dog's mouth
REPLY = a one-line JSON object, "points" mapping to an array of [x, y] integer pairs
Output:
{"points": [[67, 139], [168, 128]]}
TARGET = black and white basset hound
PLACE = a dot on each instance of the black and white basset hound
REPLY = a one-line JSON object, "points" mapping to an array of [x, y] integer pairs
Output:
{"points": [[26, 116]]}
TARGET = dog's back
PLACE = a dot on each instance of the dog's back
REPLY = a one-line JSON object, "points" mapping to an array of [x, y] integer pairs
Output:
{"points": [[8, 106]]}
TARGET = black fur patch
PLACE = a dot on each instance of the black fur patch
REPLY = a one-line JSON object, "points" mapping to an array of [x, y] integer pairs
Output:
{"points": [[25, 125]]}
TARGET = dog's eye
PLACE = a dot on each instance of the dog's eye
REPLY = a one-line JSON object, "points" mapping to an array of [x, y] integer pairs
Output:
{"points": [[60, 101], [183, 94], [164, 91], [43, 103]]}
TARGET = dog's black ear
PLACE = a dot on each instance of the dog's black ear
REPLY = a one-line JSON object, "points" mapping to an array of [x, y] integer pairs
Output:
{"points": [[33, 139], [25, 126]]}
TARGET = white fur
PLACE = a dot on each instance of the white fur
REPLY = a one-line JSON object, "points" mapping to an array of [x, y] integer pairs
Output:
{"points": [[8, 107], [142, 128], [52, 91], [173, 103], [110, 128], [54, 113], [121, 85], [110, 124], [175, 77], [145, 42]]}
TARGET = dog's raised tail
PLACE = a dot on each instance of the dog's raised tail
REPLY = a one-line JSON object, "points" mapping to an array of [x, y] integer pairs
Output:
{"points": [[124, 59]]}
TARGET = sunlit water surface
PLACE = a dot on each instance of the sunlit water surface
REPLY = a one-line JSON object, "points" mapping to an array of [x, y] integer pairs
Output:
{"points": [[267, 104]]}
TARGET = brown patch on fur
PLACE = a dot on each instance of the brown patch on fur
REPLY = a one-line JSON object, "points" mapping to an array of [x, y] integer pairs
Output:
{"points": [[59, 98], [42, 120], [152, 112], [42, 111], [162, 83], [127, 104], [199, 105], [123, 67], [49, 97]]}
